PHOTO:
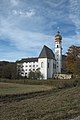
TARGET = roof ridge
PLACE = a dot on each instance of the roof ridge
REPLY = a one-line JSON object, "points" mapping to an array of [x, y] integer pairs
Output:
{"points": [[46, 52], [48, 48]]}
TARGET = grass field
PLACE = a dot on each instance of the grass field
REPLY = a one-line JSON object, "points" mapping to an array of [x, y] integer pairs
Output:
{"points": [[60, 103], [12, 88]]}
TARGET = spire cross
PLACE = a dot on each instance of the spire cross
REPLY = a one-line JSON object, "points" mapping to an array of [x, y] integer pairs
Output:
{"points": [[58, 30]]}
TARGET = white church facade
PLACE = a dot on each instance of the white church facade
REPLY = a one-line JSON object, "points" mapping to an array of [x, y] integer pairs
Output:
{"points": [[48, 62]]}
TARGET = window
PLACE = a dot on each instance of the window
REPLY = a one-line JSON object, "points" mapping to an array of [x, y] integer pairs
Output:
{"points": [[22, 69], [57, 46], [48, 65], [29, 65], [33, 65], [22, 73], [22, 66], [41, 64], [53, 65]]}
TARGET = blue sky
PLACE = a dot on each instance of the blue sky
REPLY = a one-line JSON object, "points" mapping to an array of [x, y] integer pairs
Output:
{"points": [[27, 25]]}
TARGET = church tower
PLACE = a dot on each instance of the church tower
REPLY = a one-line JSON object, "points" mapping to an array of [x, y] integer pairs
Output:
{"points": [[58, 52]]}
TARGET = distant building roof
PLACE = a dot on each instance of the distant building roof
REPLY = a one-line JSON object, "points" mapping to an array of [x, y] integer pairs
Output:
{"points": [[29, 60], [47, 53]]}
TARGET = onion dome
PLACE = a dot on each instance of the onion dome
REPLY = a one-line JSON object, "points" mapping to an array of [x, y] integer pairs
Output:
{"points": [[58, 37]]}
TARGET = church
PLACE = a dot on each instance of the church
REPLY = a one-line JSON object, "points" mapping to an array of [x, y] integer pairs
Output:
{"points": [[48, 62]]}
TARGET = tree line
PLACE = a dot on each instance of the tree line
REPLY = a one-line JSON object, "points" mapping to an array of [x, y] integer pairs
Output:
{"points": [[8, 70]]}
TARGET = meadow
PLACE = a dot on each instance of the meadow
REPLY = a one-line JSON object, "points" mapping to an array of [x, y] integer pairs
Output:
{"points": [[14, 88], [39, 99]]}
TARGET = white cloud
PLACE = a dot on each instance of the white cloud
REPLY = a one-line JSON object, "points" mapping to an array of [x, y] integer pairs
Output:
{"points": [[75, 12], [68, 41], [30, 13], [55, 3], [23, 40], [11, 55], [23, 13], [14, 12], [14, 2], [25, 24]]}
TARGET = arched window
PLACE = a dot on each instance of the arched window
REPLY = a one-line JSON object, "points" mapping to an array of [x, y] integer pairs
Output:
{"points": [[57, 46]]}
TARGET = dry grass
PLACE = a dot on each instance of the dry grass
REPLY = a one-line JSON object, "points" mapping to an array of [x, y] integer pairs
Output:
{"points": [[12, 88], [61, 103]]}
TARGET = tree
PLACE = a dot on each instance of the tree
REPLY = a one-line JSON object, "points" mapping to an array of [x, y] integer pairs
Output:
{"points": [[9, 71], [31, 75], [38, 74], [2, 65], [35, 75], [73, 60]]}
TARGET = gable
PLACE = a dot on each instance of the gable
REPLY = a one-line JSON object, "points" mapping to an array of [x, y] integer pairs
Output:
{"points": [[47, 53]]}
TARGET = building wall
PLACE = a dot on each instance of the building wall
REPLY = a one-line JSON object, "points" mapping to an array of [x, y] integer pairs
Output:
{"points": [[51, 68], [42, 64], [47, 67], [62, 76], [54, 66], [58, 57], [25, 68]]}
